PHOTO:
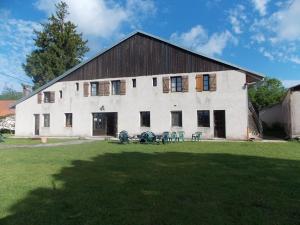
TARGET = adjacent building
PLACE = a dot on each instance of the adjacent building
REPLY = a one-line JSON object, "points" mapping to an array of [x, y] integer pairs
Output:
{"points": [[286, 113], [7, 115], [142, 83]]}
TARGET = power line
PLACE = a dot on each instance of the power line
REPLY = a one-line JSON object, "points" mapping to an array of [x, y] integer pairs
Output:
{"points": [[19, 79]]}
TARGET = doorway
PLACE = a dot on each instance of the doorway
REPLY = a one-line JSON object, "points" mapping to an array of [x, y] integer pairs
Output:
{"points": [[37, 124], [220, 124], [105, 124]]}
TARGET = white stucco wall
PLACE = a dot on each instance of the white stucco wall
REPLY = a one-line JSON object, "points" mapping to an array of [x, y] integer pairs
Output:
{"points": [[230, 96], [295, 113], [271, 114]]}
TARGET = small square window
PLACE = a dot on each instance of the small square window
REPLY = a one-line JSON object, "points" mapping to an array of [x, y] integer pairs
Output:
{"points": [[203, 118], [133, 83], [154, 81], [176, 84], [145, 119], [46, 120], [176, 118], [206, 85], [115, 86], [69, 119]]}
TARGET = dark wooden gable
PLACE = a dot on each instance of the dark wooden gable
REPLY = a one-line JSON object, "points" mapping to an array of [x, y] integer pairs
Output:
{"points": [[141, 55]]}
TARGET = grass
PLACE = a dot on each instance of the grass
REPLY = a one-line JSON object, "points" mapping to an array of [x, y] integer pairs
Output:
{"points": [[8, 140], [191, 183]]}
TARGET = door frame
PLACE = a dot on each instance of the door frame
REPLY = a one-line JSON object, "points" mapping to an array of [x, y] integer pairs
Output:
{"points": [[223, 131], [107, 116]]}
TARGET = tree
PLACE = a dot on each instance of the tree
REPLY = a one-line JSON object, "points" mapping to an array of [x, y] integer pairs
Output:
{"points": [[10, 94], [58, 48], [267, 93]]}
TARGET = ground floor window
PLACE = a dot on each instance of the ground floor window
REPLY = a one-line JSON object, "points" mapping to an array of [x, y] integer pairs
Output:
{"points": [[203, 118], [46, 120], [69, 119], [176, 118], [145, 119]]}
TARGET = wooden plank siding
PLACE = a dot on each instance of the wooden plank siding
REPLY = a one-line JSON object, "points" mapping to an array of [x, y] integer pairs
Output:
{"points": [[142, 55]]}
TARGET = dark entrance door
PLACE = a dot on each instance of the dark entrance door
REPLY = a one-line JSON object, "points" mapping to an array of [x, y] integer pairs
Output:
{"points": [[220, 125], [105, 124], [36, 124]]}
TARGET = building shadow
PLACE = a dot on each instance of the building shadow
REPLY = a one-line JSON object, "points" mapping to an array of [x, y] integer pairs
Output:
{"points": [[166, 188]]}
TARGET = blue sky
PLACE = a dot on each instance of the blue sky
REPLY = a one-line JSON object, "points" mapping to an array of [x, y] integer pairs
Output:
{"points": [[261, 35]]}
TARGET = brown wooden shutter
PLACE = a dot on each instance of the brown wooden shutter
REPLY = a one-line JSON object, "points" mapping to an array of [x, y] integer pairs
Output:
{"points": [[39, 98], [185, 83], [101, 88], [106, 88], [199, 82], [166, 84], [123, 87], [52, 97], [85, 89], [212, 82]]}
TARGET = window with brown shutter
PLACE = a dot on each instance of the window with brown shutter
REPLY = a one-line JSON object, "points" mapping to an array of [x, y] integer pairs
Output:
{"points": [[185, 83], [101, 88], [123, 87], [212, 82], [199, 82], [52, 97], [39, 98], [85, 89], [166, 84], [106, 88]]}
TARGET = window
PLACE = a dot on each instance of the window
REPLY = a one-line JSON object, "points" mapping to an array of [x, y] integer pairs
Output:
{"points": [[115, 85], [60, 94], [154, 81], [46, 120], [176, 119], [77, 86], [49, 96], [145, 119], [203, 118], [176, 84], [69, 119], [206, 82], [94, 89], [134, 83]]}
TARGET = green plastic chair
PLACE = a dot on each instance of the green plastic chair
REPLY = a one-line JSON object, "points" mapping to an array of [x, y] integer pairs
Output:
{"points": [[1, 138], [174, 136], [196, 136], [180, 135], [165, 137]]}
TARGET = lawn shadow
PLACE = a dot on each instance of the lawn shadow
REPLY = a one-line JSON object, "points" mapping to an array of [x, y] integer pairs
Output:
{"points": [[166, 188]]}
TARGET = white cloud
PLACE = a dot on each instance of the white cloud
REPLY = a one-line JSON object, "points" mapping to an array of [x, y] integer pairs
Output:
{"points": [[290, 83], [16, 41], [261, 6], [197, 39], [237, 18], [102, 18]]}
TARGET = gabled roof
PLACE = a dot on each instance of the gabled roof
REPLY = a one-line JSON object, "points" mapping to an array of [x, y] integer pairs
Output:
{"points": [[256, 75], [295, 88], [5, 107]]}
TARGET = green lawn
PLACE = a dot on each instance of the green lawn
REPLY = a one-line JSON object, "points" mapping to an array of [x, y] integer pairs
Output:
{"points": [[191, 183], [29, 141]]}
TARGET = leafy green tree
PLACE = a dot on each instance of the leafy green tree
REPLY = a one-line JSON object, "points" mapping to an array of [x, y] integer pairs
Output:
{"points": [[10, 94], [58, 48], [267, 93]]}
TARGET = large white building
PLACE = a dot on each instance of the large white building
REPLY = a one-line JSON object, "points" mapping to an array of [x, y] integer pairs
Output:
{"points": [[142, 83]]}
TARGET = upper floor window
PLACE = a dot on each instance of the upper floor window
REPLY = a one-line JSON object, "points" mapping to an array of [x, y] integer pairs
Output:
{"points": [[60, 94], [154, 81], [206, 84], [203, 118], [145, 119], [176, 84], [77, 86], [49, 96], [115, 86], [69, 119], [94, 89], [46, 120], [133, 83], [176, 118]]}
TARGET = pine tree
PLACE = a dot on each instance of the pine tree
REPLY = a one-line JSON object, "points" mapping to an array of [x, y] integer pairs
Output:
{"points": [[58, 48]]}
